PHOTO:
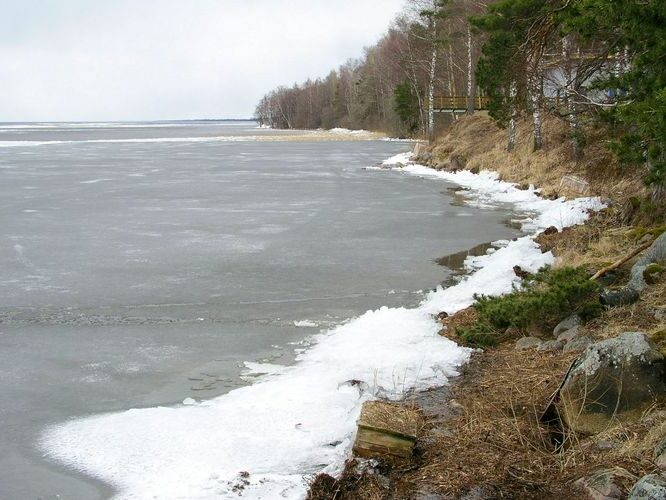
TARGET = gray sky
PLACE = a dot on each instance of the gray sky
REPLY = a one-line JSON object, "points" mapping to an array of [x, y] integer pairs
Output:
{"points": [[170, 59]]}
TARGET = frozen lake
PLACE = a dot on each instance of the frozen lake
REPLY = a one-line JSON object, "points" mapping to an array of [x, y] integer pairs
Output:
{"points": [[143, 264]]}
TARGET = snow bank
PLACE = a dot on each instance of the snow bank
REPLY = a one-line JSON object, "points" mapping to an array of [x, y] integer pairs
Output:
{"points": [[487, 191], [300, 420], [345, 131]]}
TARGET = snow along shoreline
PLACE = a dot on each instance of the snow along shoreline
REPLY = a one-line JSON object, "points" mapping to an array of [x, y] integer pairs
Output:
{"points": [[299, 420]]}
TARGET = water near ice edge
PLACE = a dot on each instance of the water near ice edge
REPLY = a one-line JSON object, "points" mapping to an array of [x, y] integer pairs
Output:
{"points": [[300, 420]]}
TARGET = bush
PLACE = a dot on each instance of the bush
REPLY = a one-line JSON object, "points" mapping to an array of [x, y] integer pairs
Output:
{"points": [[479, 335], [543, 300]]}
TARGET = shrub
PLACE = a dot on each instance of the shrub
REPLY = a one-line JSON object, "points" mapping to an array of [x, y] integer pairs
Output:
{"points": [[542, 301], [479, 335]]}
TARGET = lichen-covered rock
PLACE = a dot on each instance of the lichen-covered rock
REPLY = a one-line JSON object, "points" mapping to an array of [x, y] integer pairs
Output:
{"points": [[551, 345], [660, 454], [578, 343], [605, 484], [653, 273], [567, 324], [654, 255], [614, 380], [527, 343], [660, 313], [569, 335], [650, 487], [646, 270], [423, 158]]}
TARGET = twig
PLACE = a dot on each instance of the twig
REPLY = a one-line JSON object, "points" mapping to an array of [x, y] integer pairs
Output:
{"points": [[617, 264]]}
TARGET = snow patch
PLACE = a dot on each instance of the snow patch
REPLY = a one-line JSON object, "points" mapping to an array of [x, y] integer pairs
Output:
{"points": [[305, 323], [345, 131]]}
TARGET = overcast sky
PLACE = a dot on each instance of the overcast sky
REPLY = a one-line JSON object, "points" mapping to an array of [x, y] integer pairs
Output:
{"points": [[171, 59]]}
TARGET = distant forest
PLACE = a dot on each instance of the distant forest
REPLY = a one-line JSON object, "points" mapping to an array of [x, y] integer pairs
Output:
{"points": [[586, 62]]}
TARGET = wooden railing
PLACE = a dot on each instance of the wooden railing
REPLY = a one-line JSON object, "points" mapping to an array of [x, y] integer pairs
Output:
{"points": [[458, 103]]}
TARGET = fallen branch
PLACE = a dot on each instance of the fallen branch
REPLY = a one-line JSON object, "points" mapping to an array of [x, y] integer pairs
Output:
{"points": [[618, 263]]}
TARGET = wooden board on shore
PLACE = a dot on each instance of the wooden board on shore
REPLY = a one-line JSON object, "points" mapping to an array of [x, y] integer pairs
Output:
{"points": [[386, 428]]}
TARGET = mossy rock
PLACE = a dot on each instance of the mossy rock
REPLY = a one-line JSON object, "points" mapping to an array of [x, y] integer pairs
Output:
{"points": [[613, 381], [653, 273], [659, 339], [639, 231]]}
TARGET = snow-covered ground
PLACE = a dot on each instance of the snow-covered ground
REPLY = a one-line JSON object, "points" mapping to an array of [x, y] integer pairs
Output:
{"points": [[299, 420]]}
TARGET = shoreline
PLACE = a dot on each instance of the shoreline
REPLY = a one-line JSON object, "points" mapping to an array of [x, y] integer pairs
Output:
{"points": [[437, 404], [484, 434], [398, 324]]}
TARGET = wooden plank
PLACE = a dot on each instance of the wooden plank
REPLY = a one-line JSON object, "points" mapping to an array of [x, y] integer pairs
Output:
{"points": [[371, 442], [386, 428]]}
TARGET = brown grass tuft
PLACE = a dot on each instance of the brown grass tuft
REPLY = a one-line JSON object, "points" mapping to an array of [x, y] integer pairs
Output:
{"points": [[498, 439], [479, 140]]}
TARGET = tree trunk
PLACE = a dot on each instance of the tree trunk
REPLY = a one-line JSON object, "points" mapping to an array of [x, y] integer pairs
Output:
{"points": [[413, 80], [431, 96], [570, 103], [470, 74], [536, 119], [535, 101], [657, 188], [452, 73], [514, 115]]}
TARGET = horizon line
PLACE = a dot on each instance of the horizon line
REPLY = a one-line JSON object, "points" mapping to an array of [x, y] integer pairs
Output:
{"points": [[170, 120]]}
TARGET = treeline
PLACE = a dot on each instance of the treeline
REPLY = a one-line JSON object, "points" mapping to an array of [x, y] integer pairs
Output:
{"points": [[583, 61], [429, 49]]}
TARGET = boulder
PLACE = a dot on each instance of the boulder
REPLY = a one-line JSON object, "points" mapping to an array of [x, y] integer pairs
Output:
{"points": [[622, 297], [527, 343], [423, 158], [419, 149], [457, 162], [569, 335], [578, 343], [614, 380], [567, 324], [660, 454], [645, 271], [551, 345], [605, 484], [650, 487], [660, 313], [654, 255]]}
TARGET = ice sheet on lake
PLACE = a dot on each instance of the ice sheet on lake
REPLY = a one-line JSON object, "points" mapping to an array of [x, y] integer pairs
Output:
{"points": [[300, 420]]}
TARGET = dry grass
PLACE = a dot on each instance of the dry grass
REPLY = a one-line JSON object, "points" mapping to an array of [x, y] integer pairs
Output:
{"points": [[638, 317], [479, 140], [354, 483], [462, 319], [498, 439], [395, 417], [595, 245]]}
